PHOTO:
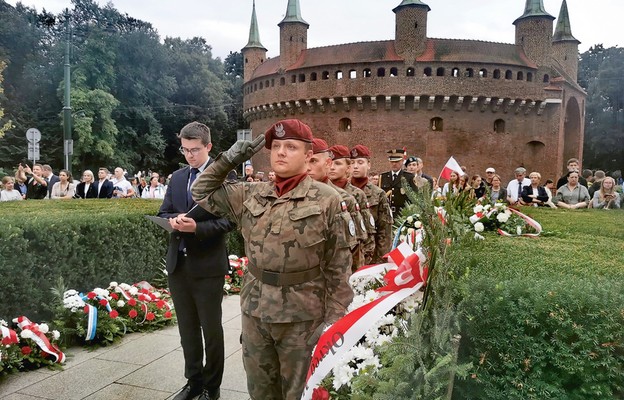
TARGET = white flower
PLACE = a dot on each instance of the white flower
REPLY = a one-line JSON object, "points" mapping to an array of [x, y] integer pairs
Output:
{"points": [[410, 219], [502, 217], [120, 303], [69, 293], [56, 334], [478, 237], [133, 290], [417, 224], [26, 334], [156, 294], [233, 257], [44, 328], [479, 227], [113, 284], [478, 208], [227, 286], [101, 292], [519, 230], [125, 286], [487, 207]]}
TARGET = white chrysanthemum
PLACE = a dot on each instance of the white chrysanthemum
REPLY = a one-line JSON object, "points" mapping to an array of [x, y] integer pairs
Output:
{"points": [[69, 293], [417, 224], [357, 302], [343, 376], [73, 302], [487, 207], [44, 328], [479, 227], [124, 286], [133, 290], [502, 217], [56, 334], [410, 219], [102, 292], [477, 209], [120, 303], [519, 230], [26, 334], [113, 284], [233, 257], [371, 296]]}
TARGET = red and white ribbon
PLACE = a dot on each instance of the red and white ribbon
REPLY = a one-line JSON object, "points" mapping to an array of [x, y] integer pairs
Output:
{"points": [[41, 339], [406, 277], [530, 221], [9, 336]]}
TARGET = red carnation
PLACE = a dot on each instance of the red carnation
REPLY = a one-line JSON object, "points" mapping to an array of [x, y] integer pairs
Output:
{"points": [[26, 350], [240, 272], [6, 341], [320, 393], [160, 304], [91, 295], [228, 277], [114, 296], [132, 314], [86, 309], [132, 302], [145, 291], [103, 302], [113, 314], [168, 314], [150, 316], [141, 297]]}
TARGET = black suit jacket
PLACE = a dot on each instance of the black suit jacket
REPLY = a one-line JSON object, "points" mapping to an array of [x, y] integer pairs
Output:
{"points": [[205, 249], [528, 190], [53, 179], [394, 189], [91, 192], [107, 189]]}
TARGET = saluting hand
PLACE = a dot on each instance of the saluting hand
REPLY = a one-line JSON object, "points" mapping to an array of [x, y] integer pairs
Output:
{"points": [[243, 150]]}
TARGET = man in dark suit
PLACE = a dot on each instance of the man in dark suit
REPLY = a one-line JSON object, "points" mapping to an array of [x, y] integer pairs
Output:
{"points": [[48, 175], [197, 262], [103, 186], [391, 181]]}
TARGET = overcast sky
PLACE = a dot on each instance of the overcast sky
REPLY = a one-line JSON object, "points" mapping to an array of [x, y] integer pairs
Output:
{"points": [[225, 24]]}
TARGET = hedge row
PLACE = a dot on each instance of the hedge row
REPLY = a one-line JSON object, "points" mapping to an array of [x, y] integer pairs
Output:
{"points": [[88, 243]]}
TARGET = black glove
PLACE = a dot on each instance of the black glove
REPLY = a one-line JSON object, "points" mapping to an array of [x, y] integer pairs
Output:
{"points": [[243, 150], [313, 340]]}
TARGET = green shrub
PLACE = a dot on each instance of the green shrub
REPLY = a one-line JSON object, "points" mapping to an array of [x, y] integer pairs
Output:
{"points": [[88, 243]]}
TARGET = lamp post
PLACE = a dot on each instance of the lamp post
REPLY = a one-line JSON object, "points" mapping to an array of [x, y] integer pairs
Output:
{"points": [[68, 143]]}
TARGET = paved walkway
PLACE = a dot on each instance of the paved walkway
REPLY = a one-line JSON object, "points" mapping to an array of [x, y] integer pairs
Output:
{"points": [[146, 366]]}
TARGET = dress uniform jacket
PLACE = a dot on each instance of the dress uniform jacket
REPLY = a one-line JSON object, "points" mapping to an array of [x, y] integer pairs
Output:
{"points": [[394, 189], [301, 231]]}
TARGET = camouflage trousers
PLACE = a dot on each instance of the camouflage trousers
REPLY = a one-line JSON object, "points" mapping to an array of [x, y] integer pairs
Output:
{"points": [[276, 357]]}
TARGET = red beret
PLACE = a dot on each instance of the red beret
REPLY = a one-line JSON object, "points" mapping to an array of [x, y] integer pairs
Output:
{"points": [[319, 146], [338, 151], [360, 151], [288, 129]]}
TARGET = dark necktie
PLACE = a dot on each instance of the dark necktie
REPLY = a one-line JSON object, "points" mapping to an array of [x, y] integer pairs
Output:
{"points": [[394, 175], [519, 190], [189, 197]]}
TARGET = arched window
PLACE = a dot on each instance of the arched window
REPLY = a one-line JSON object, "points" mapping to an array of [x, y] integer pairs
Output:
{"points": [[455, 72], [410, 71], [436, 124], [469, 72], [255, 87], [352, 74], [366, 73], [381, 72], [261, 85], [272, 82], [282, 81], [529, 76], [546, 78], [483, 73], [520, 76], [325, 75], [293, 79], [508, 74], [499, 126], [246, 60], [440, 71], [301, 77], [338, 74], [344, 125], [496, 74], [427, 71], [313, 76], [394, 71]]}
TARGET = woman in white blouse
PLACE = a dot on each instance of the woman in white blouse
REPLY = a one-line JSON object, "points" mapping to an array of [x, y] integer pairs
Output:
{"points": [[64, 188], [154, 190]]}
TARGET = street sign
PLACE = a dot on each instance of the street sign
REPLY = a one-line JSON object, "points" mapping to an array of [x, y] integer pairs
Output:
{"points": [[33, 151], [243, 134], [33, 135]]}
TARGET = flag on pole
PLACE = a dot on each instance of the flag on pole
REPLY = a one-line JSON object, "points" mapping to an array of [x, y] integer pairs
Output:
{"points": [[451, 165]]}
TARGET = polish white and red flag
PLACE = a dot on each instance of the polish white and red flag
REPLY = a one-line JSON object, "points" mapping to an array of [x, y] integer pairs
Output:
{"points": [[450, 166]]}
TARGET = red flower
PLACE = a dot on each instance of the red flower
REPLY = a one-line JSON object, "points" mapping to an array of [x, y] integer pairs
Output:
{"points": [[227, 277], [103, 302], [86, 309], [240, 272], [132, 314], [168, 314], [91, 295], [6, 341], [114, 296], [26, 350], [320, 393], [141, 297], [132, 302], [160, 304], [150, 316], [144, 291], [113, 314]]}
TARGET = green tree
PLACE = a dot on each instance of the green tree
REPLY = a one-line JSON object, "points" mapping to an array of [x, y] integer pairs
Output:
{"points": [[7, 125]]}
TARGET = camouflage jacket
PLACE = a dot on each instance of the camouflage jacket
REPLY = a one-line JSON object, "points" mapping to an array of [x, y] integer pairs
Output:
{"points": [[380, 211], [368, 222], [357, 240], [302, 230]]}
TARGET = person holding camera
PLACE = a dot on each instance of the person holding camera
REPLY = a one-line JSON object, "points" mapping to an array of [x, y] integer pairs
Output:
{"points": [[122, 189], [606, 197]]}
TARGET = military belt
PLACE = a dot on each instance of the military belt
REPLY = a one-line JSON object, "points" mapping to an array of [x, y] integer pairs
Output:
{"points": [[274, 278]]}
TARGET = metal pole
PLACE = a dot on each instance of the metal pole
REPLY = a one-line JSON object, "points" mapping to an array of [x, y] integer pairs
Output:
{"points": [[67, 126]]}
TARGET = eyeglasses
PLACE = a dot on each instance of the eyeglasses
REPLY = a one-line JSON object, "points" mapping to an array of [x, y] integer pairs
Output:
{"points": [[193, 152]]}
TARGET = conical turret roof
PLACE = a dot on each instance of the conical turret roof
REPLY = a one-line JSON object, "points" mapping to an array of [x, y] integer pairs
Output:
{"points": [[406, 3], [534, 8], [293, 13], [563, 32], [254, 33]]}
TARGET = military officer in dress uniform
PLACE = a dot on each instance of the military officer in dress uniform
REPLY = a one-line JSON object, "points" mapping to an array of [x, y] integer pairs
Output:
{"points": [[378, 202], [392, 181], [299, 258]]}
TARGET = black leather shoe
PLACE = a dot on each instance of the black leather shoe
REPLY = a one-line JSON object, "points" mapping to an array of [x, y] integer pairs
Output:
{"points": [[188, 392], [210, 395]]}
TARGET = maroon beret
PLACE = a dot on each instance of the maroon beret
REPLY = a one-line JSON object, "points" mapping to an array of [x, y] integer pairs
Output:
{"points": [[338, 151], [360, 151], [319, 146], [288, 129]]}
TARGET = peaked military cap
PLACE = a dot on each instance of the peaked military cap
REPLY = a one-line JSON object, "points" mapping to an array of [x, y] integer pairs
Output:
{"points": [[396, 155]]}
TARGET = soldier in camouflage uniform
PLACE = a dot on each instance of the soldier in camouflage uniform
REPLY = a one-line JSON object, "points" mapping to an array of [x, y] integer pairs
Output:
{"points": [[299, 258], [378, 201], [318, 169], [339, 175]]}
